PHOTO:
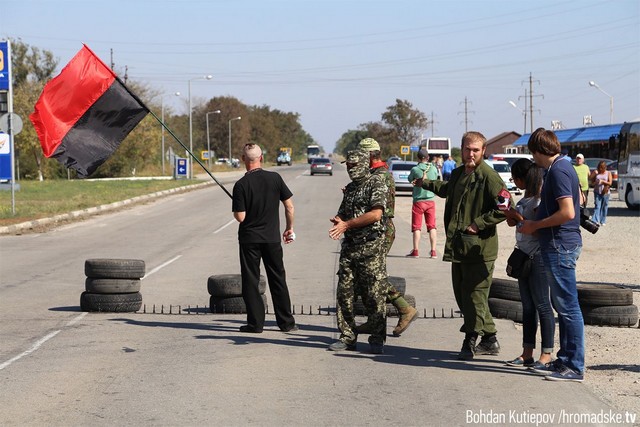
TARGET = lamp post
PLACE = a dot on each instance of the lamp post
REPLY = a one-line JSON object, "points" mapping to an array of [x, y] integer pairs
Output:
{"points": [[208, 143], [524, 113], [230, 120], [162, 127], [594, 84], [209, 77]]}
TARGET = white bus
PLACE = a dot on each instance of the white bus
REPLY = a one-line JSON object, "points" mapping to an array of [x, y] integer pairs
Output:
{"points": [[629, 165], [437, 146], [313, 152]]}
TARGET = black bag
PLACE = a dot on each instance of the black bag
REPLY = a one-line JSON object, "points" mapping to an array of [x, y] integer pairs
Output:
{"points": [[518, 264]]}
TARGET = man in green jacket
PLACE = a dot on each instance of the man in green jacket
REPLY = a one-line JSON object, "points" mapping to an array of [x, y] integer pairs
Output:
{"points": [[474, 193]]}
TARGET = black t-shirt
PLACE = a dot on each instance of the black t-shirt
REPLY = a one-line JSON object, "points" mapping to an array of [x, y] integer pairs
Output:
{"points": [[259, 193]]}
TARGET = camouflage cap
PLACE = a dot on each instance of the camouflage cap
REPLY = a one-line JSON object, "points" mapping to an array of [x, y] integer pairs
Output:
{"points": [[356, 157], [369, 144]]}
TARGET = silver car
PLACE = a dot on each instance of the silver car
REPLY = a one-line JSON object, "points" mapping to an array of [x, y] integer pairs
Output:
{"points": [[400, 171]]}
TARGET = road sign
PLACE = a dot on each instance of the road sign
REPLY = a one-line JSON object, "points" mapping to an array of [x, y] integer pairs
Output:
{"points": [[404, 149], [16, 123], [415, 148], [182, 168]]}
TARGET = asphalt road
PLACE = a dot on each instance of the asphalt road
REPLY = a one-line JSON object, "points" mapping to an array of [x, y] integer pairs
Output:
{"points": [[59, 366]]}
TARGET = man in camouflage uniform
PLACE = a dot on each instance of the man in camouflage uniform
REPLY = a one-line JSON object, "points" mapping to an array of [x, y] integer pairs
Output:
{"points": [[406, 313], [362, 269]]}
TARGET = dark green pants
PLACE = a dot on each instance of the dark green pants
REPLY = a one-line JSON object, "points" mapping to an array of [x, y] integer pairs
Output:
{"points": [[471, 283]]}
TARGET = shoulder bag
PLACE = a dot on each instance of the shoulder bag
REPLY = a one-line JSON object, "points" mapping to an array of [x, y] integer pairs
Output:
{"points": [[519, 264]]}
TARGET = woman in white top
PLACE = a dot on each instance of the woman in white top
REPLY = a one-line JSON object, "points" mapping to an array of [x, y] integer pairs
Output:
{"points": [[601, 179], [534, 288]]}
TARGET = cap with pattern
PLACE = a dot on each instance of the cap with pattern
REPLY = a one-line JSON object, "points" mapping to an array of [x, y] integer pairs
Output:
{"points": [[369, 144]]}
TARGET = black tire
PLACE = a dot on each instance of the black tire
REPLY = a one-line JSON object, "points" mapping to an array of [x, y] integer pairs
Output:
{"points": [[594, 294], [400, 283], [506, 309], [627, 199], [111, 303], [114, 268], [111, 286], [616, 315], [230, 305], [505, 289], [359, 309], [230, 285]]}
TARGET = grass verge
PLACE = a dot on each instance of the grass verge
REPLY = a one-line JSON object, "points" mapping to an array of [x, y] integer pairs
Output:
{"points": [[37, 199]]}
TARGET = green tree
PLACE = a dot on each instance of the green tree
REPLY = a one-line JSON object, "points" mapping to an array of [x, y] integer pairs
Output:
{"points": [[405, 122]]}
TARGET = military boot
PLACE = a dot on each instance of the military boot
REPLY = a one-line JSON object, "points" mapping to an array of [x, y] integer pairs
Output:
{"points": [[407, 315], [467, 352], [488, 345], [364, 328]]}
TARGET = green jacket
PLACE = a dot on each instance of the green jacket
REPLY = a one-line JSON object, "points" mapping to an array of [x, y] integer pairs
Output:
{"points": [[470, 199]]}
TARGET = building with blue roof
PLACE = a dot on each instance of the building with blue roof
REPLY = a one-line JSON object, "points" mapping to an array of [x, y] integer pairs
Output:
{"points": [[591, 141]]}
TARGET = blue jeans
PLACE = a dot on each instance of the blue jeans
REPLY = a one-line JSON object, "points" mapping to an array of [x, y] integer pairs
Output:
{"points": [[534, 293], [561, 273], [602, 206]]}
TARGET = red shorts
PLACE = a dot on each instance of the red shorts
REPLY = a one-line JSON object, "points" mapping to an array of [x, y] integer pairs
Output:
{"points": [[426, 208]]}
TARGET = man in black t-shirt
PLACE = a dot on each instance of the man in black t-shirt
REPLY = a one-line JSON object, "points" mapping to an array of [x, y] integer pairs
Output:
{"points": [[256, 201]]}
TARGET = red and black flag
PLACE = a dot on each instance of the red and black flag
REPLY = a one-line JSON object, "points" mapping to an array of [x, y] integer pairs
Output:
{"points": [[84, 113]]}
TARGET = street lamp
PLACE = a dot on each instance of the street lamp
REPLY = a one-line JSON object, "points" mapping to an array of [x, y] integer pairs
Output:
{"points": [[208, 143], [524, 113], [230, 120], [209, 77], [594, 84], [162, 127]]}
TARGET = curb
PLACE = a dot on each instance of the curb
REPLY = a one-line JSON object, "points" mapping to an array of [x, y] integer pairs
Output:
{"points": [[15, 228]]}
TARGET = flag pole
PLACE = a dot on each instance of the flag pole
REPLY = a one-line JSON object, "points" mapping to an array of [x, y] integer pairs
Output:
{"points": [[176, 138]]}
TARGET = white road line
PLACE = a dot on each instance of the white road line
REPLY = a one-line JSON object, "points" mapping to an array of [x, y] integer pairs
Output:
{"points": [[224, 226], [161, 266], [40, 342]]}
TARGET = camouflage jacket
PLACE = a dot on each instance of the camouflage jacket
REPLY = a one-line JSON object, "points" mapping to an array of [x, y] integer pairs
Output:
{"points": [[390, 207], [360, 198]]}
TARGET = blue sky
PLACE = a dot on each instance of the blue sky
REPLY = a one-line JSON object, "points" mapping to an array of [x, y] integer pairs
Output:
{"points": [[342, 63]]}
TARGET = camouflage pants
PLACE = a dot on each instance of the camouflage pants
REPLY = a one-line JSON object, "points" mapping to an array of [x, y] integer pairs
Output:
{"points": [[389, 237], [362, 272]]}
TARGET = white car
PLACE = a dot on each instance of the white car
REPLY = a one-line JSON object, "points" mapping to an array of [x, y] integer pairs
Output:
{"points": [[504, 170]]}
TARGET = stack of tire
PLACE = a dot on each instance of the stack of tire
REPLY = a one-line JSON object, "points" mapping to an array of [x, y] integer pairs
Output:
{"points": [[607, 305], [225, 292], [112, 285], [504, 300], [400, 283], [601, 304]]}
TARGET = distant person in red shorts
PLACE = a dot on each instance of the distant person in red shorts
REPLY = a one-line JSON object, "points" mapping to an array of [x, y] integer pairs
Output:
{"points": [[423, 203]]}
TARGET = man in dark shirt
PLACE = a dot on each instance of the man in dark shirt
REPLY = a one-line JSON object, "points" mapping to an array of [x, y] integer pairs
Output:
{"points": [[558, 228], [256, 200]]}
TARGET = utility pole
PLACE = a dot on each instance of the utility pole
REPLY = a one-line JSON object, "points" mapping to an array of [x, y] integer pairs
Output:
{"points": [[525, 111], [466, 114], [112, 64], [531, 95], [431, 123]]}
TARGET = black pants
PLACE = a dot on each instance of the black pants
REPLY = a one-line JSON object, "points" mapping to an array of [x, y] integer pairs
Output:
{"points": [[271, 255]]}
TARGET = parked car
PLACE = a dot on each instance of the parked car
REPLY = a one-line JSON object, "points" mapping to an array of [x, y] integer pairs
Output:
{"points": [[321, 165], [510, 158], [612, 166], [400, 171], [504, 170]]}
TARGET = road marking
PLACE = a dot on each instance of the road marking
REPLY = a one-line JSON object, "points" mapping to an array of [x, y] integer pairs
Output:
{"points": [[161, 266], [40, 342], [224, 226]]}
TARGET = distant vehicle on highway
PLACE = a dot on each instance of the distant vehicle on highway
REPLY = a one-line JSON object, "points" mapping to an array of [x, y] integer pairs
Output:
{"points": [[400, 171], [321, 165]]}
